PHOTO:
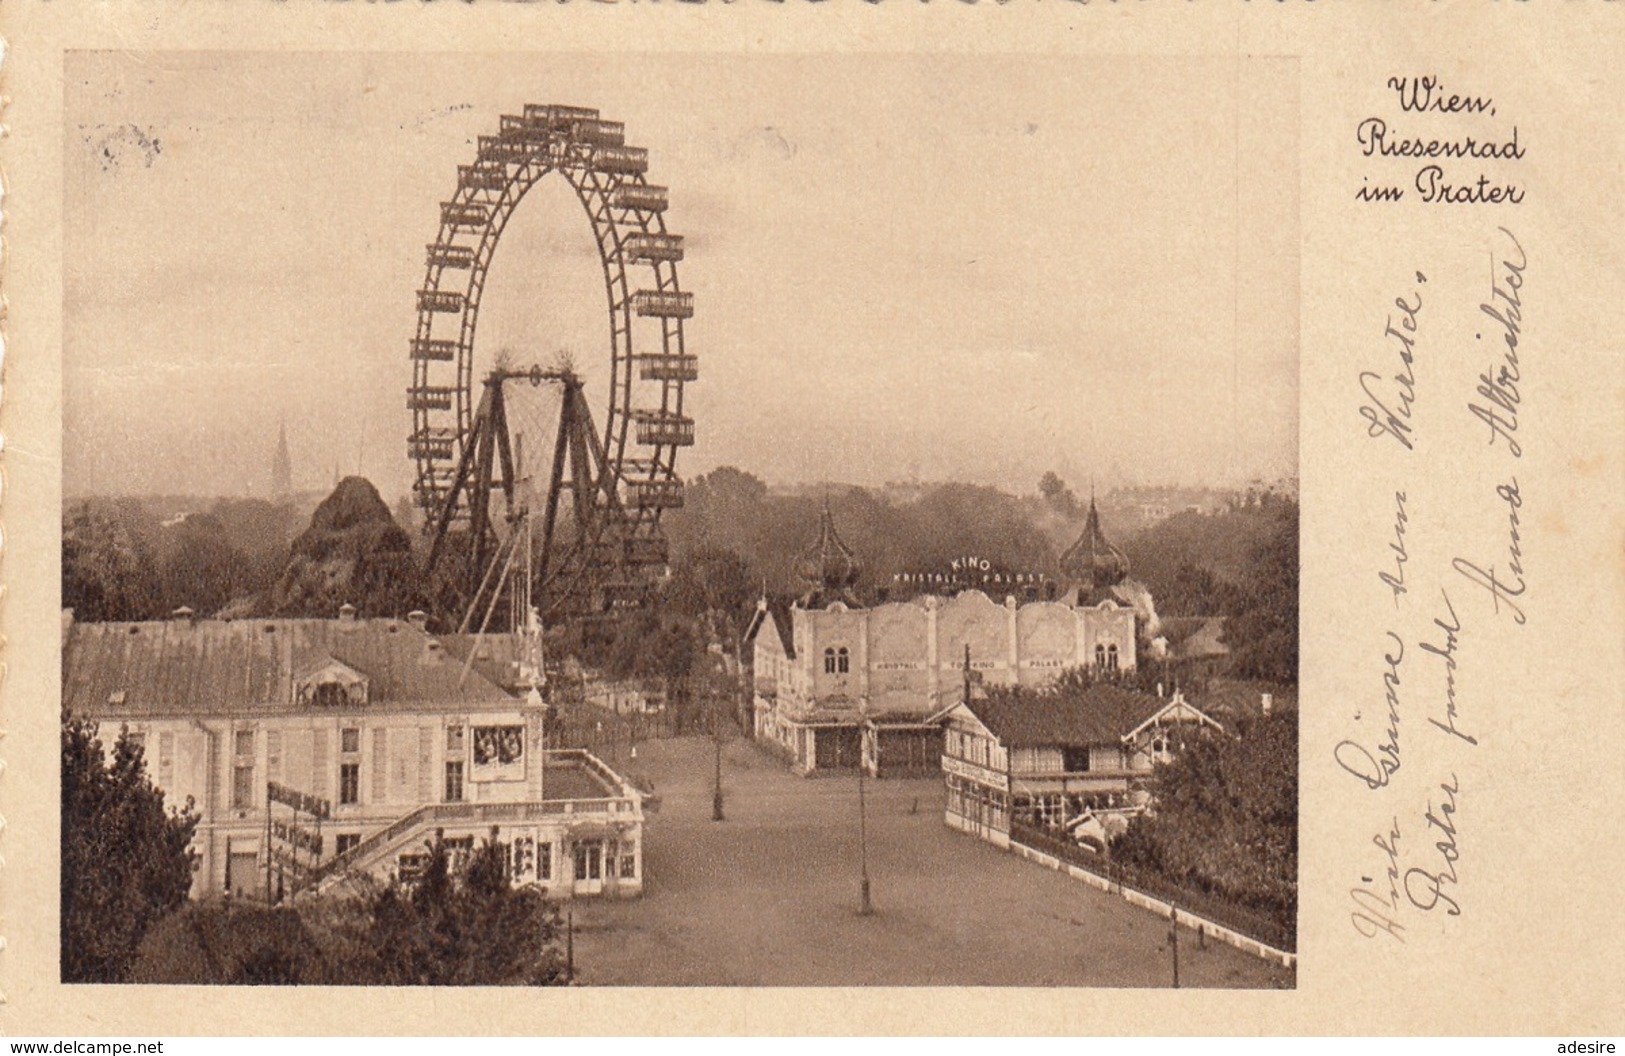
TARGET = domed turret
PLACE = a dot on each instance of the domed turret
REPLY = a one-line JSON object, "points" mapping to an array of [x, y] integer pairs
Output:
{"points": [[829, 568], [1092, 563]]}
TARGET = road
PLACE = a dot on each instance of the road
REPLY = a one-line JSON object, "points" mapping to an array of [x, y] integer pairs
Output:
{"points": [[770, 895]]}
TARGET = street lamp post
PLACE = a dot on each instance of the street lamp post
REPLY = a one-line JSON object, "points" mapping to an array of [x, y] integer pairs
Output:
{"points": [[716, 788], [1173, 941], [714, 708], [863, 842]]}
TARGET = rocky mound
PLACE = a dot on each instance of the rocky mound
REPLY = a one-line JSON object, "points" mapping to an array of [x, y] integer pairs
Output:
{"points": [[353, 553]]}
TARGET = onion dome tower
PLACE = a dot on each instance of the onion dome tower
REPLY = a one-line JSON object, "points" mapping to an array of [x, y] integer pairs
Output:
{"points": [[829, 568], [1093, 564]]}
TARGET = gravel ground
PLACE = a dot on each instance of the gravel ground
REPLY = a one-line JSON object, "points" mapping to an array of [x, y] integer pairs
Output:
{"points": [[770, 895]]}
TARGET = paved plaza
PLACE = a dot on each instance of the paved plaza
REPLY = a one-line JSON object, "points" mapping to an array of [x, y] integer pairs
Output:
{"points": [[770, 896]]}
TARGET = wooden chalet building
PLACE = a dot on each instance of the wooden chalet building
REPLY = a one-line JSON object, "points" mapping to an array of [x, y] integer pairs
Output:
{"points": [[1044, 759]]}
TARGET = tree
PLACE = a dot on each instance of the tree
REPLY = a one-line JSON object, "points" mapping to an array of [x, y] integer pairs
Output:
{"points": [[955, 520], [712, 584], [1057, 494], [126, 861], [1226, 815], [197, 565], [729, 484], [108, 571], [1263, 633], [664, 646]]}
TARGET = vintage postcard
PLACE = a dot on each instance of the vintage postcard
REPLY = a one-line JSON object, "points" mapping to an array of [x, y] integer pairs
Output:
{"points": [[770, 520]]}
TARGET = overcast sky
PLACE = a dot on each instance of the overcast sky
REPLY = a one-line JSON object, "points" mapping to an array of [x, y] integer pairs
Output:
{"points": [[904, 267]]}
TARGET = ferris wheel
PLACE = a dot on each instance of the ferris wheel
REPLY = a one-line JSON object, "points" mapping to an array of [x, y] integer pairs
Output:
{"points": [[617, 461]]}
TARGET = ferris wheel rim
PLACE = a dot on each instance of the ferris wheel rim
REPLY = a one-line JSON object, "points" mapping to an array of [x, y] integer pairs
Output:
{"points": [[472, 223]]}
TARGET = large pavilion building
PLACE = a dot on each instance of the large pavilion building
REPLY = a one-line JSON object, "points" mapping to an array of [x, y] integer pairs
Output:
{"points": [[838, 683], [317, 748]]}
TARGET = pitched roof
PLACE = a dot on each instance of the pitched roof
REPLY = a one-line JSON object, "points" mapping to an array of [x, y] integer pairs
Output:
{"points": [[1195, 637], [217, 667], [496, 656], [1237, 697], [1102, 713], [778, 614]]}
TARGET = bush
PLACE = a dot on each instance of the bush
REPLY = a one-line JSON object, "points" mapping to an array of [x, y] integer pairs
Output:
{"points": [[444, 928], [448, 927]]}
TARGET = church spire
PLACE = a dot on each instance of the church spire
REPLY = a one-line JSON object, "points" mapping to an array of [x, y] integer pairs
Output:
{"points": [[282, 466]]}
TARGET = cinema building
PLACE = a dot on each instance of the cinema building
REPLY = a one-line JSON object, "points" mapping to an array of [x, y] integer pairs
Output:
{"points": [[838, 683], [313, 749]]}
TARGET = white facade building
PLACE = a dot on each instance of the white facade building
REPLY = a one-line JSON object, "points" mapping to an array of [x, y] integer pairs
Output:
{"points": [[396, 735]]}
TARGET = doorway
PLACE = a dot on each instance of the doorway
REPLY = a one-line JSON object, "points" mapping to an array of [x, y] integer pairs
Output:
{"points": [[589, 855]]}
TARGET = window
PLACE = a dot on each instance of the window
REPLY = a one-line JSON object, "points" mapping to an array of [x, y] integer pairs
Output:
{"points": [[136, 738], [347, 841], [1075, 760], [242, 787], [350, 783], [1111, 658], [544, 861], [589, 860], [829, 661], [350, 740], [454, 781], [843, 661], [1100, 657], [242, 771], [629, 867], [454, 739], [330, 695]]}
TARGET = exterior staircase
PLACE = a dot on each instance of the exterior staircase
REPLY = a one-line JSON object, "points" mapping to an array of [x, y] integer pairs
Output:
{"points": [[465, 816]]}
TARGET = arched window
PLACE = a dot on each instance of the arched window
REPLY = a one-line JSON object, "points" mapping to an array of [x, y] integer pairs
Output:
{"points": [[829, 661], [1100, 657], [843, 661], [1111, 658]]}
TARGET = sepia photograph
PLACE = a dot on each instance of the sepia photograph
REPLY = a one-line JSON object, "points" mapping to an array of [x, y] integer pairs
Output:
{"points": [[654, 520]]}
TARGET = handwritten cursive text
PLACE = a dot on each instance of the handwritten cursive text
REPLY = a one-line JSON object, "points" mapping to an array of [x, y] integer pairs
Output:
{"points": [[1356, 758], [1427, 890]]}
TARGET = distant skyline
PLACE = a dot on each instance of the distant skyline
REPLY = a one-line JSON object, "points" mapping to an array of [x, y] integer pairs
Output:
{"points": [[1086, 267]]}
